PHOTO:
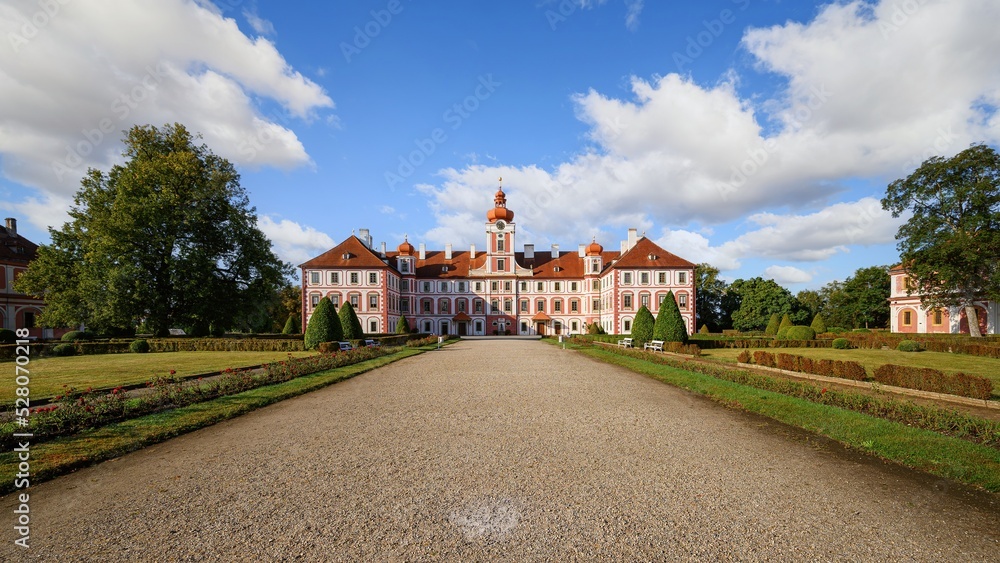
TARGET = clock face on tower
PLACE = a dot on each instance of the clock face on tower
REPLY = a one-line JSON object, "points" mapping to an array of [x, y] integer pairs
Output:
{"points": [[501, 225]]}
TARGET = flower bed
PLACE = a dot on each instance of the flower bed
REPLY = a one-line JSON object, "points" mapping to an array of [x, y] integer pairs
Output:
{"points": [[77, 410]]}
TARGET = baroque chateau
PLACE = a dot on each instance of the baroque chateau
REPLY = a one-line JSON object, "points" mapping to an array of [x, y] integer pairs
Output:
{"points": [[498, 290]]}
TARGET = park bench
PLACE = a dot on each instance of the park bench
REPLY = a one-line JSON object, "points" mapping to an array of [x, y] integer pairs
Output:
{"points": [[625, 343], [655, 345]]}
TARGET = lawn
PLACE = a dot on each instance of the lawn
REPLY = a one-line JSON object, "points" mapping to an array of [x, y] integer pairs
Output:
{"points": [[871, 359], [48, 375]]}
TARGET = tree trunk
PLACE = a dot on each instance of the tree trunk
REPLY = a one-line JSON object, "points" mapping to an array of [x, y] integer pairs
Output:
{"points": [[973, 318]]}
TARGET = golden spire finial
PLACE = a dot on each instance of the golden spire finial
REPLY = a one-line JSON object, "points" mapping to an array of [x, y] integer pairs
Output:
{"points": [[501, 182]]}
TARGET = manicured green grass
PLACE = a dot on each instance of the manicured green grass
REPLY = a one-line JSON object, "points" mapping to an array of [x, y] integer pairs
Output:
{"points": [[871, 359], [48, 375], [928, 451], [62, 455]]}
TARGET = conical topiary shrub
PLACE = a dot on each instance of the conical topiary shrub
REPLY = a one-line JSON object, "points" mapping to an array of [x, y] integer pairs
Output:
{"points": [[772, 325], [402, 326], [786, 323], [669, 325], [324, 325], [350, 323], [642, 327], [291, 325], [818, 325]]}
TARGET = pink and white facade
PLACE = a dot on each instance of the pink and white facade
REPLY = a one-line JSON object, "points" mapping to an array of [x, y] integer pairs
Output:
{"points": [[498, 290], [908, 315], [18, 310]]}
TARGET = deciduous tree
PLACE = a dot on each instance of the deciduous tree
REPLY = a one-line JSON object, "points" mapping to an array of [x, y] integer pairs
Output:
{"points": [[167, 238], [951, 243]]}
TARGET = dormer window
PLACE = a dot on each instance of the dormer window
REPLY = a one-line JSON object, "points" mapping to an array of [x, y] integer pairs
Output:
{"points": [[346, 256]]}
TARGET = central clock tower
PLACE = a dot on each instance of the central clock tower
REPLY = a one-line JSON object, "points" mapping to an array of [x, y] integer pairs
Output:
{"points": [[500, 232]]}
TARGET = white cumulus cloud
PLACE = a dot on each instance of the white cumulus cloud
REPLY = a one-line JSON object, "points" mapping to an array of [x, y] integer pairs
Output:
{"points": [[787, 274], [293, 242]]}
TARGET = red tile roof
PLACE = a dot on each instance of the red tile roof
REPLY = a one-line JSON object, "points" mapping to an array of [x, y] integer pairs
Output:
{"points": [[358, 256], [647, 254], [544, 265], [15, 249]]}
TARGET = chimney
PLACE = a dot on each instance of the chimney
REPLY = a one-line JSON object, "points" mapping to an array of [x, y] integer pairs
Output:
{"points": [[582, 251], [12, 226], [383, 249], [529, 252], [447, 251], [624, 246], [423, 252], [365, 237], [472, 252], [633, 234], [555, 251]]}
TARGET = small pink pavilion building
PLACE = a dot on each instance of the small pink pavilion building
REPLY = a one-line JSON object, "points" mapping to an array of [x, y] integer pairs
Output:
{"points": [[908, 315]]}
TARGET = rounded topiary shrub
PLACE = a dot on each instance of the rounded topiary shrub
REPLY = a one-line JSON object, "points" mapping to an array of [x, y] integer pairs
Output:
{"points": [[800, 333], [841, 343], [140, 346], [909, 346], [783, 333], [74, 335], [7, 336], [63, 350]]}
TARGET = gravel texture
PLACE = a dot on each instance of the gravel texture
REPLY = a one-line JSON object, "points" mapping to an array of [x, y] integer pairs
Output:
{"points": [[502, 450]]}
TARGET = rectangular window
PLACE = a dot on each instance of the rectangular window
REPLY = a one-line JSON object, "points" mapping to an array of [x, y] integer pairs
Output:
{"points": [[627, 278], [595, 267], [479, 305], [461, 306], [354, 300], [501, 244], [682, 278], [524, 286], [495, 286], [907, 318], [354, 278], [427, 287], [443, 287], [596, 286], [627, 301], [335, 299], [372, 278], [494, 306], [575, 326], [644, 278], [506, 286], [479, 286], [557, 306], [373, 302], [444, 306], [540, 306], [508, 306], [426, 306], [314, 300], [501, 265], [557, 286], [644, 299], [461, 287], [597, 305], [682, 301], [574, 306], [938, 317], [314, 278], [373, 327], [405, 266], [540, 286], [335, 278], [574, 287], [404, 305], [628, 326], [524, 305], [662, 278]]}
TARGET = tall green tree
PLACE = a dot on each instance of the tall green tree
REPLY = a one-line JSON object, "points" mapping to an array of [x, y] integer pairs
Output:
{"points": [[350, 323], [669, 325], [323, 326], [642, 327], [168, 237], [951, 241], [710, 292], [759, 299], [402, 326]]}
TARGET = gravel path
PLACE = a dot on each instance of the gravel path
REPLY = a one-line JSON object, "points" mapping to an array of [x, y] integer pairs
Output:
{"points": [[502, 450]]}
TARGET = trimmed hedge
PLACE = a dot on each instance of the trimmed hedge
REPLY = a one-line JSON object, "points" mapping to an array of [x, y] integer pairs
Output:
{"points": [[140, 346], [63, 350], [829, 368], [928, 379], [841, 343], [909, 346], [75, 335], [800, 333]]}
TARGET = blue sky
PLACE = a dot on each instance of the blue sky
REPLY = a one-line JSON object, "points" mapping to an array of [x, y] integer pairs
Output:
{"points": [[756, 135]]}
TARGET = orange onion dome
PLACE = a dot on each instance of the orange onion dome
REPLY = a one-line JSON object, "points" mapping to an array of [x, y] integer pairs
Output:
{"points": [[406, 249], [500, 212], [594, 249]]}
